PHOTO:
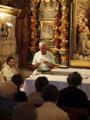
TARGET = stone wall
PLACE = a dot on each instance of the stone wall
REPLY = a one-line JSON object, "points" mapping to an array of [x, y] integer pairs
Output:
{"points": [[7, 44]]}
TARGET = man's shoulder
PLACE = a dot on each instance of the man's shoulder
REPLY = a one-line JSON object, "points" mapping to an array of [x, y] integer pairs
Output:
{"points": [[5, 66], [37, 53], [81, 92], [5, 69], [64, 89], [72, 90], [54, 107]]}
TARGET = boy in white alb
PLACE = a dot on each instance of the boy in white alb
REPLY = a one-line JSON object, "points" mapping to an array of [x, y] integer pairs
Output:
{"points": [[8, 69]]}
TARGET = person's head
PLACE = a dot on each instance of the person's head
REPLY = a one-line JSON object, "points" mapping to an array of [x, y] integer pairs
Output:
{"points": [[40, 83], [85, 20], [50, 93], [17, 79], [74, 79], [43, 47], [20, 96], [11, 61], [24, 111]]}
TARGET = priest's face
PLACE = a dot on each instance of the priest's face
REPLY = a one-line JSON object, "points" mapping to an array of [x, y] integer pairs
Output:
{"points": [[43, 49], [12, 63]]}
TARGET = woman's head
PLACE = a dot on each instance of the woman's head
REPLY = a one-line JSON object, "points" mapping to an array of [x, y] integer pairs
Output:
{"points": [[74, 79], [50, 93], [17, 79], [41, 82]]}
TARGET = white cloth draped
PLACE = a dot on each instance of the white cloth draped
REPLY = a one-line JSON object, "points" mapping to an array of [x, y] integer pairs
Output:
{"points": [[58, 77]]}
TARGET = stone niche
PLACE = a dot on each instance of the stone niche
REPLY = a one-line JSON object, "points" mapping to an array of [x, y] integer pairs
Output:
{"points": [[7, 32]]}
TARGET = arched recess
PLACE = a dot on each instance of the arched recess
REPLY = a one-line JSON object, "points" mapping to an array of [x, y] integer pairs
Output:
{"points": [[32, 26]]}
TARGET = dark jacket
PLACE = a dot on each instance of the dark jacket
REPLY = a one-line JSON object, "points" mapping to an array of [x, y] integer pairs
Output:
{"points": [[72, 97]]}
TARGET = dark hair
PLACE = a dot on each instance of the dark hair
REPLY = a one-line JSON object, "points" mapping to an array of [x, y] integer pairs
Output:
{"points": [[40, 83], [17, 79], [9, 58], [74, 79], [20, 96], [50, 93]]}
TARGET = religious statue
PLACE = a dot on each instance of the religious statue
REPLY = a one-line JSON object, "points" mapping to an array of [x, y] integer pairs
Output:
{"points": [[84, 38]]}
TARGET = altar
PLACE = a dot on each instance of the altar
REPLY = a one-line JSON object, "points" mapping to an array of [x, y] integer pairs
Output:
{"points": [[58, 77]]}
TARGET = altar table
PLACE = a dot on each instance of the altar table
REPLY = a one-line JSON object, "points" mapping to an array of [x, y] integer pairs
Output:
{"points": [[60, 81]]}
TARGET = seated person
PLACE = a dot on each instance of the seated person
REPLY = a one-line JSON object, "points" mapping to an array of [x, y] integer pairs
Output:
{"points": [[6, 108], [8, 69], [19, 96], [72, 96], [17, 80], [24, 111], [35, 97], [43, 59], [9, 88], [49, 110]]}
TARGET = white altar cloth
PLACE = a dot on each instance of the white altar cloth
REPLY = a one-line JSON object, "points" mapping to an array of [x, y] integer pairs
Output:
{"points": [[59, 80]]}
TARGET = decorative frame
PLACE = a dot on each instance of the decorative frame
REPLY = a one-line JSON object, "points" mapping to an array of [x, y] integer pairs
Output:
{"points": [[47, 23], [80, 42], [54, 24], [47, 13], [47, 30]]}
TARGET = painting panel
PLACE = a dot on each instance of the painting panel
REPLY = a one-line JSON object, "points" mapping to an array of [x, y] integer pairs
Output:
{"points": [[47, 30], [80, 43], [47, 14]]}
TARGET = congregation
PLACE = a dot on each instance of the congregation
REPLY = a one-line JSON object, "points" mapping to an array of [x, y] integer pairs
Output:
{"points": [[44, 60], [45, 103]]}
